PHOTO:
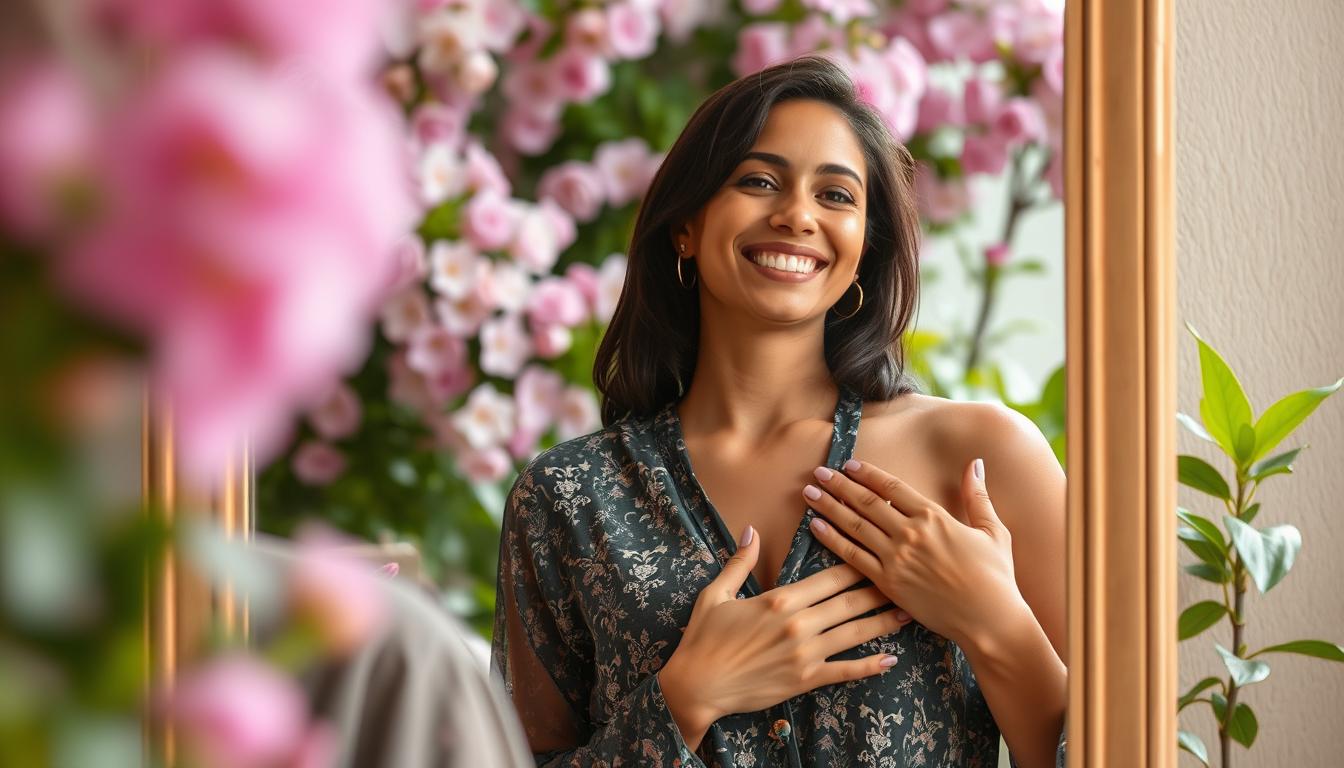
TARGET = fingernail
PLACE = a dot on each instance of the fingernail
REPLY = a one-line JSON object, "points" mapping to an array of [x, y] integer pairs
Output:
{"points": [[747, 536], [823, 474], [852, 465], [887, 661], [979, 469], [902, 616], [812, 492], [820, 525]]}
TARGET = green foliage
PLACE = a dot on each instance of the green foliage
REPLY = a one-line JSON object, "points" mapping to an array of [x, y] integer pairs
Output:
{"points": [[1262, 555]]}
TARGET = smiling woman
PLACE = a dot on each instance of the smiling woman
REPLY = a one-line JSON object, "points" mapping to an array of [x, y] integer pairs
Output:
{"points": [[632, 624]]}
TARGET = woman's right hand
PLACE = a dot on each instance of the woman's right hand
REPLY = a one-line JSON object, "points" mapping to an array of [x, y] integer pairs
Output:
{"points": [[747, 655]]}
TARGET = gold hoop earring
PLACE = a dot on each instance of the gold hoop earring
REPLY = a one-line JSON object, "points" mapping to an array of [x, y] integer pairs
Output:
{"points": [[857, 308], [679, 277]]}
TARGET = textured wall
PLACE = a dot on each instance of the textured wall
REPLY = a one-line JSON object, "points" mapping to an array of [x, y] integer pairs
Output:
{"points": [[1260, 242]]}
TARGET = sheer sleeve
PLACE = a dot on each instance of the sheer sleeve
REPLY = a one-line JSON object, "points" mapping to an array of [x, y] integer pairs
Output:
{"points": [[544, 653]]}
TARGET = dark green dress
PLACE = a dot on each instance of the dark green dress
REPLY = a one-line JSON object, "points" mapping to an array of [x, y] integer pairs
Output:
{"points": [[607, 541]]}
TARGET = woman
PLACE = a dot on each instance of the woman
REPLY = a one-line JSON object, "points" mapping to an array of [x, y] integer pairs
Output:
{"points": [[772, 272]]}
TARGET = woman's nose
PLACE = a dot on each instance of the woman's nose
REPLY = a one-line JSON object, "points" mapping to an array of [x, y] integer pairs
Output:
{"points": [[793, 214]]}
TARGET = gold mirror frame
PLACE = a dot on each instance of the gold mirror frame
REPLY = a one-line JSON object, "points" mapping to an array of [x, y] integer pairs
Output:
{"points": [[1121, 383]]}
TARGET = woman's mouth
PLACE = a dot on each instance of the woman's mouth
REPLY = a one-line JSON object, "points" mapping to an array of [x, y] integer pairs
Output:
{"points": [[782, 262]]}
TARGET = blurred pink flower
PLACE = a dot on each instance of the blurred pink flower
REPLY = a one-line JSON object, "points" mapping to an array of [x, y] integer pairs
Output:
{"points": [[338, 414], [937, 109], [551, 341], [442, 175], [317, 463], [319, 747], [462, 317], [998, 254], [961, 35], [235, 711], [981, 100], [529, 131], [576, 186], [562, 224], [1054, 173], [448, 383], [556, 301], [504, 21], [578, 413], [940, 201], [46, 144], [1052, 72], [983, 153], [905, 23], [390, 569], [584, 278], [587, 28], [760, 7], [581, 74], [434, 349], [336, 590], [531, 85], [632, 29], [508, 286], [475, 73], [1033, 29], [409, 266], [435, 122], [505, 346], [536, 242], [536, 394], [455, 268], [484, 466], [760, 45], [682, 17], [405, 313], [489, 220], [248, 231], [611, 281], [926, 7], [484, 171], [625, 169], [408, 387], [814, 34], [1020, 121], [487, 418], [522, 445]]}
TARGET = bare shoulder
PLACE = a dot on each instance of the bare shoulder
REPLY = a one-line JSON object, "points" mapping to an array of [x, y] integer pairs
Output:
{"points": [[955, 430]]}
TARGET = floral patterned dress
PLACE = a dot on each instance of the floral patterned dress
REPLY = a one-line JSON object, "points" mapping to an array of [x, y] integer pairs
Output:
{"points": [[607, 541]]}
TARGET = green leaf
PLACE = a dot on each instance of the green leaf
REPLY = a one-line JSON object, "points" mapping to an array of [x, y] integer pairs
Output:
{"points": [[1250, 512], [1267, 554], [1194, 691], [1244, 671], [1219, 707], [1245, 444], [1224, 406], [1201, 547], [1194, 745], [1278, 465], [1208, 573], [1200, 617], [1200, 475], [1281, 418], [1243, 726], [1321, 649], [1195, 427], [1206, 527]]}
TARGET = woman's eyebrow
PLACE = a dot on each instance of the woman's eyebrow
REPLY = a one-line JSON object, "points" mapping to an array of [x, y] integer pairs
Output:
{"points": [[824, 168]]}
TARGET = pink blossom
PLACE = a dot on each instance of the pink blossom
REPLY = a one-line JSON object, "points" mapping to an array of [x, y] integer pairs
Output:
{"points": [[317, 463], [335, 590], [455, 268], [909, 73], [475, 72], [484, 171], [1033, 30], [1052, 72], [504, 346], [624, 168], [338, 414], [814, 34], [760, 7], [448, 383], [435, 122], [584, 278], [46, 143], [983, 153], [486, 419], [581, 75], [611, 279], [587, 28], [537, 31], [842, 11], [434, 349], [682, 17], [408, 387], [759, 46], [508, 287], [531, 86], [904, 23], [562, 224], [940, 200], [536, 244], [962, 35], [576, 186], [248, 232], [926, 8], [447, 35], [409, 266], [504, 21], [578, 414], [632, 29], [442, 175], [320, 745], [536, 394], [404, 314], [522, 445], [484, 466], [938, 109], [1054, 174], [489, 221], [551, 341], [463, 317], [1020, 121], [556, 301], [997, 254], [237, 712], [982, 100], [528, 131]]}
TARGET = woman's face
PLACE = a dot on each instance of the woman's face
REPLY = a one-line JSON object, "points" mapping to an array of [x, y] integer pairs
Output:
{"points": [[781, 239]]}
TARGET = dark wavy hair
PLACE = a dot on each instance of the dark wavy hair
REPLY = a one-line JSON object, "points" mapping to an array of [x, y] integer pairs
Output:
{"points": [[648, 353]]}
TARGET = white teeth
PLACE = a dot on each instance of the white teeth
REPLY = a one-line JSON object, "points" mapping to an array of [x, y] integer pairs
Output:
{"points": [[783, 263]]}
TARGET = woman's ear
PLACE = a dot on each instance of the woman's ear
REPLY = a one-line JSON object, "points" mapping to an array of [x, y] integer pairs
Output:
{"points": [[683, 239]]}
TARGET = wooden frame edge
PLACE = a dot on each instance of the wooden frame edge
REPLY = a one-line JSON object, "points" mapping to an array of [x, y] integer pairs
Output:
{"points": [[1120, 338]]}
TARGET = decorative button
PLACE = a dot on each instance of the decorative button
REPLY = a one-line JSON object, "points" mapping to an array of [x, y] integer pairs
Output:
{"points": [[780, 731]]}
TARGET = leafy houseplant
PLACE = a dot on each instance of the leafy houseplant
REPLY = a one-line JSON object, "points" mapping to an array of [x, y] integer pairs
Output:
{"points": [[1264, 555]]}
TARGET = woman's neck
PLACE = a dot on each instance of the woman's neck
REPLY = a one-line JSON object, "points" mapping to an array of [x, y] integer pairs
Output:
{"points": [[750, 385]]}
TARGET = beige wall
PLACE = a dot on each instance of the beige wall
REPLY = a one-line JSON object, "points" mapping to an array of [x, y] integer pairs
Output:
{"points": [[1260, 244]]}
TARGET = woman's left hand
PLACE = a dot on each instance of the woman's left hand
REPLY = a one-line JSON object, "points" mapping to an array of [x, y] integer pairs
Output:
{"points": [[954, 578]]}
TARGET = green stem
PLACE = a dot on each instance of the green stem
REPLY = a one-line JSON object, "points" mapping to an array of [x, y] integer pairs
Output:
{"points": [[1238, 629], [1018, 201]]}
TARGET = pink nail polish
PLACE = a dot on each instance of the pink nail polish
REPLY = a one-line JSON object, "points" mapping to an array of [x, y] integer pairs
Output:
{"points": [[747, 536], [812, 492], [887, 661], [852, 465], [979, 469], [823, 474], [820, 525]]}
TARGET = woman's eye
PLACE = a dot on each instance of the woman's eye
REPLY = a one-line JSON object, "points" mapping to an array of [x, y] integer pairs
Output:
{"points": [[759, 182], [838, 196]]}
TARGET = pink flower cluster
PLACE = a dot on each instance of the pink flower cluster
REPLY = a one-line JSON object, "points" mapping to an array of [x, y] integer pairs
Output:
{"points": [[221, 221]]}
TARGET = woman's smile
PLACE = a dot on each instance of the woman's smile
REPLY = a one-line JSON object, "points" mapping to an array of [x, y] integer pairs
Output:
{"points": [[785, 262]]}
